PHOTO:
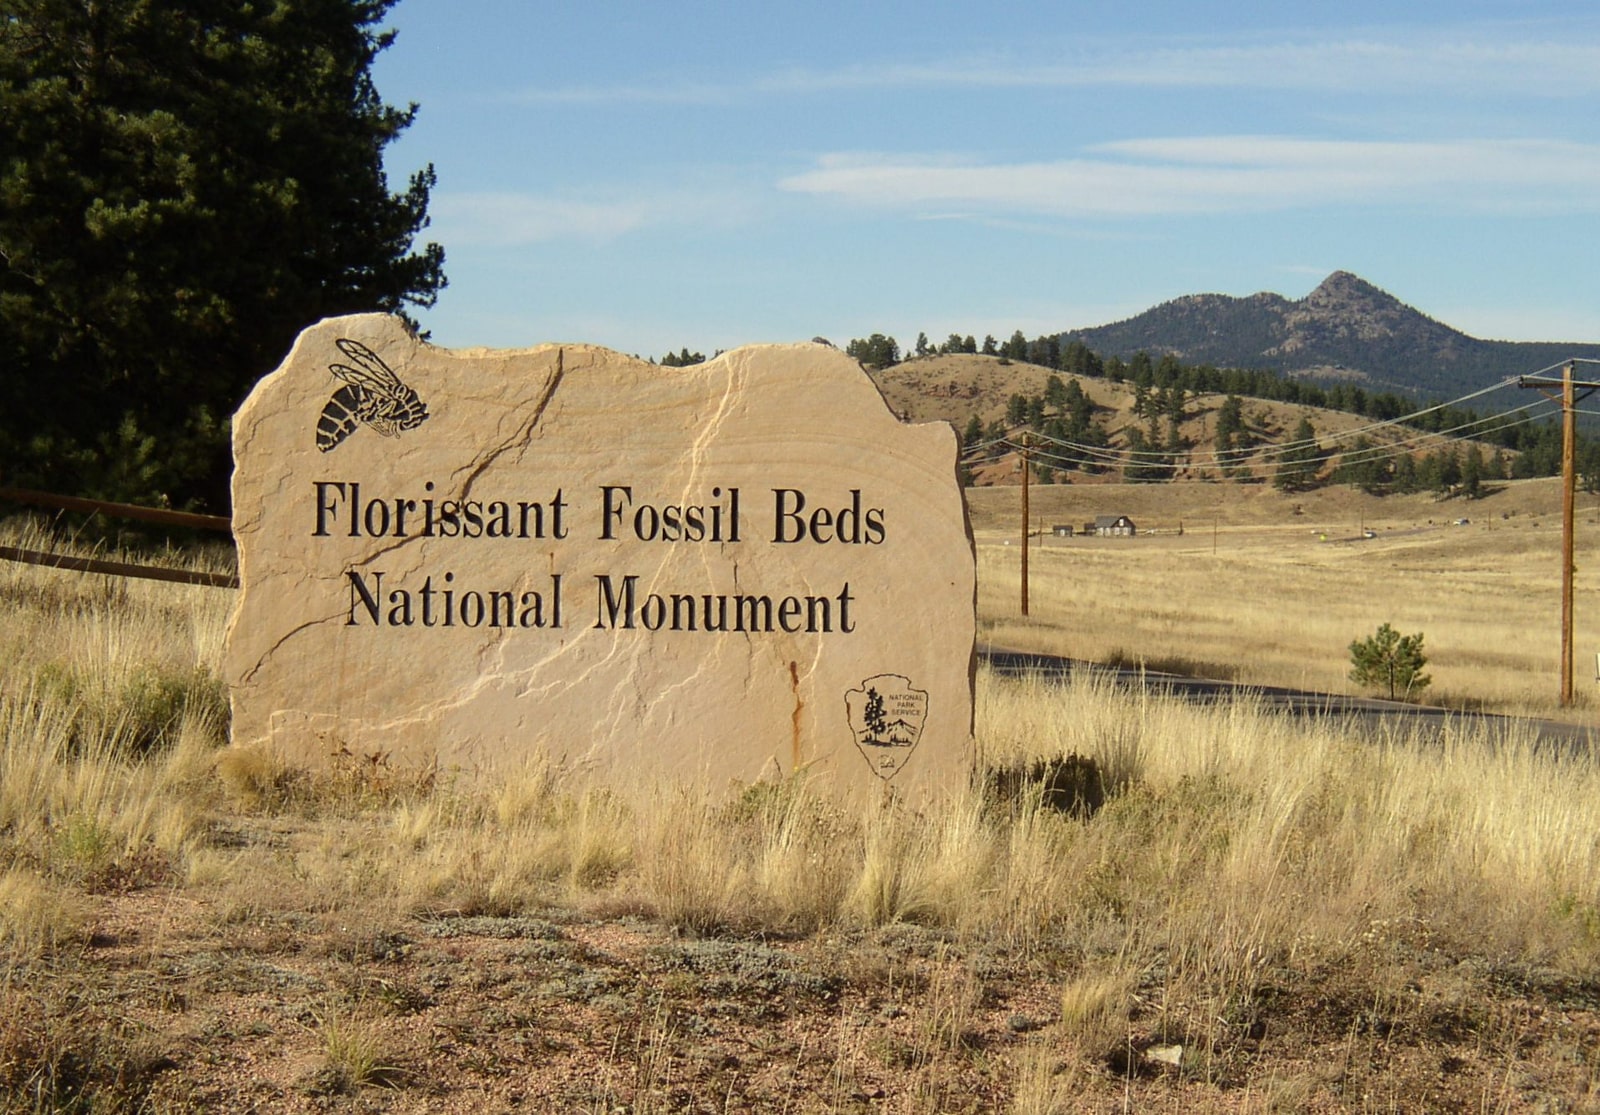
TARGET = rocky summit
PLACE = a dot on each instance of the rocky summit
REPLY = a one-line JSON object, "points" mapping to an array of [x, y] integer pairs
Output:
{"points": [[1345, 329]]}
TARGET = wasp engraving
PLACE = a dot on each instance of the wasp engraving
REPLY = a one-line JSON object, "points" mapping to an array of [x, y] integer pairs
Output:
{"points": [[372, 395]]}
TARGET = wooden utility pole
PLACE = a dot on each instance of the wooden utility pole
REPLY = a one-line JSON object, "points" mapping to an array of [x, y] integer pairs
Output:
{"points": [[1027, 444], [1569, 482], [1568, 398]]}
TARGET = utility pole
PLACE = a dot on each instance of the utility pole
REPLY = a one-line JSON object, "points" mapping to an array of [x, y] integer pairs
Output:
{"points": [[1569, 483], [1027, 444], [1568, 398]]}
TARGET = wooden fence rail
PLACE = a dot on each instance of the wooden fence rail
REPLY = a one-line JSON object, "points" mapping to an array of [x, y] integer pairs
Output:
{"points": [[121, 511], [118, 568]]}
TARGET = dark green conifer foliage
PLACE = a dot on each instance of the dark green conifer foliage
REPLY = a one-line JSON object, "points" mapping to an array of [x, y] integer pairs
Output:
{"points": [[1299, 461], [183, 188], [1388, 659]]}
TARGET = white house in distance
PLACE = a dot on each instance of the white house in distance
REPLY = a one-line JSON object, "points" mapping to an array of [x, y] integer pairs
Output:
{"points": [[1111, 526]]}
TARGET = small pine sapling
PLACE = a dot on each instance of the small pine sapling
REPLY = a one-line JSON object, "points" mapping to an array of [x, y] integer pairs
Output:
{"points": [[1388, 658]]}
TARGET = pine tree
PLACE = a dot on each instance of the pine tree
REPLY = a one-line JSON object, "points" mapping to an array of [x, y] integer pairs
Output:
{"points": [[878, 351], [973, 433], [1299, 461], [1472, 469], [683, 359], [1055, 391], [873, 715], [1231, 436], [183, 188], [1390, 659], [1144, 464]]}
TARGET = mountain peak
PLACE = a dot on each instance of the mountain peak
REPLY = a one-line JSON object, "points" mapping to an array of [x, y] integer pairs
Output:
{"points": [[1346, 330], [1343, 287]]}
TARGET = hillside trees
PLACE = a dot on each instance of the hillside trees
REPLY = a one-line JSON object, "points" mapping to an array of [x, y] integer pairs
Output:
{"points": [[183, 188], [1077, 359], [1044, 351], [1588, 463], [1166, 391], [1364, 465], [1299, 460], [1379, 470], [1175, 406], [1232, 439], [877, 350], [963, 344], [1055, 391], [1144, 463], [1088, 443], [1472, 473], [1439, 471]]}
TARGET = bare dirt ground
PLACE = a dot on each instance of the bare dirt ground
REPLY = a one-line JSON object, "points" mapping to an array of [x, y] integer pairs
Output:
{"points": [[181, 1002]]}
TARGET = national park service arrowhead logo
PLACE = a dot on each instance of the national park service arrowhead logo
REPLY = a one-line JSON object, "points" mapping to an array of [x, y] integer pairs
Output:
{"points": [[886, 716]]}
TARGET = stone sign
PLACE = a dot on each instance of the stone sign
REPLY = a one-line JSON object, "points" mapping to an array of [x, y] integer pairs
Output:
{"points": [[728, 571]]}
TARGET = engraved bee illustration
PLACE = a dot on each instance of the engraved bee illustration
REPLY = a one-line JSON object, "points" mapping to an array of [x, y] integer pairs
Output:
{"points": [[372, 395]]}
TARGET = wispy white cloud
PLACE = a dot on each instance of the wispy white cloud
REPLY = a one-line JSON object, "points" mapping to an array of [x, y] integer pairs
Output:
{"points": [[1484, 62], [510, 218], [667, 92], [1223, 174], [1534, 67]]}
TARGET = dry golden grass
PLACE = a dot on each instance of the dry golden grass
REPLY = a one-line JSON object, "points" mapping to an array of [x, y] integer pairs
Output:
{"points": [[1095, 1005], [37, 915], [1248, 873], [1274, 597]]}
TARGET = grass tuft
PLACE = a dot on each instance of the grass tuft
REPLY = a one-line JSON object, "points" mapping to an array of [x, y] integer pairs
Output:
{"points": [[354, 1056], [37, 916], [1095, 1005]]}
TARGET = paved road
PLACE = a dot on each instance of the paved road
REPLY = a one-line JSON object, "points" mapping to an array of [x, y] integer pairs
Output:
{"points": [[1366, 711]]}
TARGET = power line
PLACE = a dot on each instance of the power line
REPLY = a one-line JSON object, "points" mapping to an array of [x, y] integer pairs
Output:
{"points": [[1157, 458], [1075, 453]]}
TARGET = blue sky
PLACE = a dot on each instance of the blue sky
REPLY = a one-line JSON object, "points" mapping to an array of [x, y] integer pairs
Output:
{"points": [[649, 176]]}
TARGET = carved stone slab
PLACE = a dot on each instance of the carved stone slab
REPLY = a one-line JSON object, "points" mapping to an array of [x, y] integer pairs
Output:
{"points": [[722, 572]]}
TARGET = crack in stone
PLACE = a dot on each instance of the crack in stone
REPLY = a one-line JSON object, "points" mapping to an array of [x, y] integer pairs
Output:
{"points": [[523, 437], [519, 440], [261, 660]]}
